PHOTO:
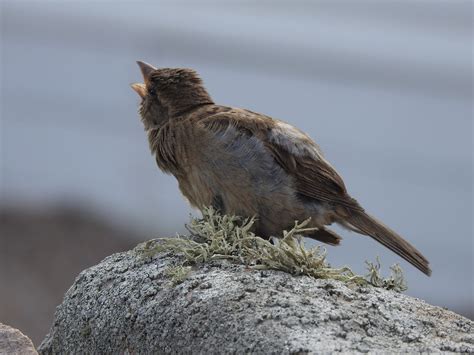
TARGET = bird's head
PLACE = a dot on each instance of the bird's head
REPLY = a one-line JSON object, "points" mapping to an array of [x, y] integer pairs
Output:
{"points": [[168, 93]]}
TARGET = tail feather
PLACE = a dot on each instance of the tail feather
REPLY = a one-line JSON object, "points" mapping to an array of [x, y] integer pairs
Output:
{"points": [[325, 235], [363, 223]]}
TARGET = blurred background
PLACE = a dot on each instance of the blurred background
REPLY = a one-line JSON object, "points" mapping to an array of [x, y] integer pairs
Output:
{"points": [[385, 87]]}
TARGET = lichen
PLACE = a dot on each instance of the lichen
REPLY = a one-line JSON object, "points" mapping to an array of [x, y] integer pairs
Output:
{"points": [[178, 273], [217, 236], [396, 280]]}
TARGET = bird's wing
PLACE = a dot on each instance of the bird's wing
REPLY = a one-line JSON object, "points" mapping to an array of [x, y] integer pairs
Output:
{"points": [[314, 178], [293, 150]]}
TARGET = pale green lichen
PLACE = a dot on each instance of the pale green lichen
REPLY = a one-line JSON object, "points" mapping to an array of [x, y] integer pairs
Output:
{"points": [[178, 273], [230, 237], [396, 280]]}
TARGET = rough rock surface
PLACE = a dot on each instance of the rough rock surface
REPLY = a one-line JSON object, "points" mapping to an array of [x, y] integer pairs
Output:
{"points": [[12, 341], [128, 303]]}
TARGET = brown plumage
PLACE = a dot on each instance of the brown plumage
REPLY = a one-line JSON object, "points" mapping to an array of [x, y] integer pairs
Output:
{"points": [[249, 164]]}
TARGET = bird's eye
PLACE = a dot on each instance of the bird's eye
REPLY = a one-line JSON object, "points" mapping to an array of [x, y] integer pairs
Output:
{"points": [[152, 91]]}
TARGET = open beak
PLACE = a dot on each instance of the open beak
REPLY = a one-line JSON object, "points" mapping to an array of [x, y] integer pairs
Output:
{"points": [[140, 89], [146, 70]]}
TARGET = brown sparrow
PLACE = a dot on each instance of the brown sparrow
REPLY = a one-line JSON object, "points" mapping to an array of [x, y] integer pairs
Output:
{"points": [[248, 164]]}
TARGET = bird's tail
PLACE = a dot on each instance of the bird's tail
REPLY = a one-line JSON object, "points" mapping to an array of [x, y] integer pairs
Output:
{"points": [[362, 223]]}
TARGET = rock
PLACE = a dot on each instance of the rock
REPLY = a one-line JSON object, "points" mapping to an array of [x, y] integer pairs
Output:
{"points": [[129, 303], [12, 341]]}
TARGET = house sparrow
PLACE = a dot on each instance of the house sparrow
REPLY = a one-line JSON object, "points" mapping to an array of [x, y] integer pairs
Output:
{"points": [[248, 164]]}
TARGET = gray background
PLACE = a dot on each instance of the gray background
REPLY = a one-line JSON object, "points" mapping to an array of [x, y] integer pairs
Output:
{"points": [[384, 87]]}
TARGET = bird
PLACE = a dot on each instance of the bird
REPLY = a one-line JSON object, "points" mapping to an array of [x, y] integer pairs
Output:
{"points": [[249, 164]]}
